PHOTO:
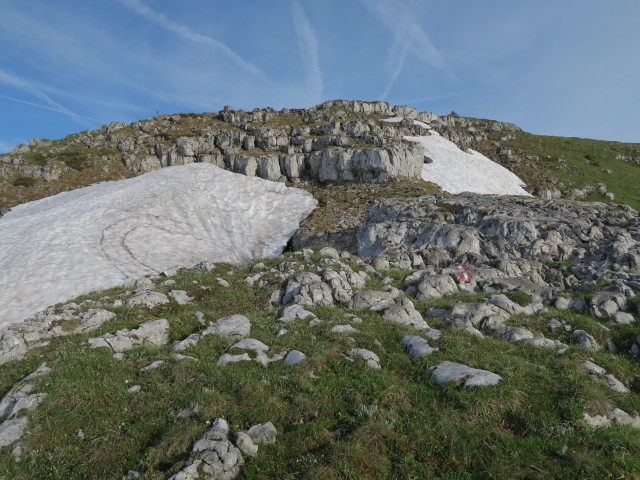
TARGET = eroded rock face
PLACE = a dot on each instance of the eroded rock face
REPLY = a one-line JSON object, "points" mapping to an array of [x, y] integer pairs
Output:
{"points": [[483, 229]]}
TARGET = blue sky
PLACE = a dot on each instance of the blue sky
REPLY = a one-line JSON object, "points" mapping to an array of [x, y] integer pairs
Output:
{"points": [[568, 67]]}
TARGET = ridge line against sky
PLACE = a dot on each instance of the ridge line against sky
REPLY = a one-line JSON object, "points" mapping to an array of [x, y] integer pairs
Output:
{"points": [[568, 68]]}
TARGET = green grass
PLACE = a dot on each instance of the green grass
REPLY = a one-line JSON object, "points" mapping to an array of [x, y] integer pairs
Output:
{"points": [[583, 163], [336, 419]]}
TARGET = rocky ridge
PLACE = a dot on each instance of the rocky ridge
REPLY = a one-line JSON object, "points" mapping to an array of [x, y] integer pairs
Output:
{"points": [[337, 141]]}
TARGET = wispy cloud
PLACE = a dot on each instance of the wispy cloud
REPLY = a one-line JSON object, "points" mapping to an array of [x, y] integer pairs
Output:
{"points": [[185, 32], [28, 87], [308, 46], [396, 59], [44, 107], [398, 18]]}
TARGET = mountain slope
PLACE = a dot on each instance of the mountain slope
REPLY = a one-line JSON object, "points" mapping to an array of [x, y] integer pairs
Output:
{"points": [[447, 336]]}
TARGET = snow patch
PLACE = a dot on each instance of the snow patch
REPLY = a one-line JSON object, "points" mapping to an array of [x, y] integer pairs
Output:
{"points": [[456, 171], [109, 233]]}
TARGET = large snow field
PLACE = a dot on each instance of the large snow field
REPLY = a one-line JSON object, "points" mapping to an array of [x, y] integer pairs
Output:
{"points": [[456, 171], [110, 233]]}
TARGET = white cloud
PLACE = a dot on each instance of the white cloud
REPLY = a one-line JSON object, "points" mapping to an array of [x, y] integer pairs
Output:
{"points": [[44, 107], [308, 46], [398, 18], [396, 59], [185, 32], [25, 86]]}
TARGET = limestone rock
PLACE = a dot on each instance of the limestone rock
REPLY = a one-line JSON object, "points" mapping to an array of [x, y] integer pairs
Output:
{"points": [[93, 319], [294, 357], [417, 346], [343, 329], [153, 333], [371, 359], [622, 318], [256, 347], [307, 288], [447, 372], [233, 326], [263, 433], [404, 313], [585, 340], [148, 299], [372, 300], [294, 312], [12, 430], [246, 445], [436, 286], [180, 296], [213, 456]]}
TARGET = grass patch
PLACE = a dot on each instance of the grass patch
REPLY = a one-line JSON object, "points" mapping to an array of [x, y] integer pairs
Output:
{"points": [[580, 161], [335, 418]]}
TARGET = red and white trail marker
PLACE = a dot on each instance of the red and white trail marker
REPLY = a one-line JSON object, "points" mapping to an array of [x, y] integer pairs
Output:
{"points": [[465, 277]]}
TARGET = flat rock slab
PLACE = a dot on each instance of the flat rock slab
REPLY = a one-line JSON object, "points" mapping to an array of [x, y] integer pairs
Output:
{"points": [[147, 298], [233, 326], [372, 300], [259, 350], [12, 431], [294, 312], [447, 372], [153, 333]]}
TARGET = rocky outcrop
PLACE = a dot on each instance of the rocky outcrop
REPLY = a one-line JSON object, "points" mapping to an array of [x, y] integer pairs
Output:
{"points": [[519, 236]]}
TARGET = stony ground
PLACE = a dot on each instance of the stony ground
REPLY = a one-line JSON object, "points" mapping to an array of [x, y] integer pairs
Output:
{"points": [[446, 337], [354, 369]]}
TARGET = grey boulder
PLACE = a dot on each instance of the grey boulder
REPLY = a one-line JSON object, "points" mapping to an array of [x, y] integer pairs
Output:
{"points": [[152, 333], [416, 346], [147, 298], [447, 372]]}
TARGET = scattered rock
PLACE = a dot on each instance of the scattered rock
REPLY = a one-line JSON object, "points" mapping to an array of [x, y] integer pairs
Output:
{"points": [[263, 433], [447, 372], [152, 366], [181, 297], [585, 340], [593, 368], [343, 329], [295, 312], [372, 300], [148, 299], [213, 456], [152, 333], [417, 346], [307, 288], [622, 318], [294, 357], [258, 349], [246, 445], [404, 313], [12, 430], [371, 359]]}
